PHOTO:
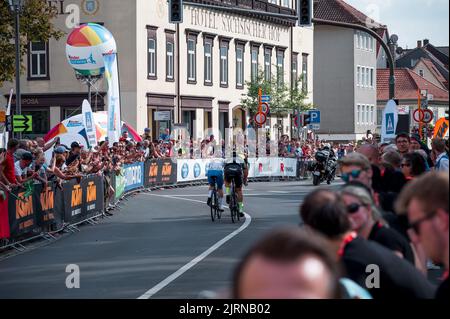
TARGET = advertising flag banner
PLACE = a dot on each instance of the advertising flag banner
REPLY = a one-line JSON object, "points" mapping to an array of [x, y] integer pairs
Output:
{"points": [[112, 77], [89, 124]]}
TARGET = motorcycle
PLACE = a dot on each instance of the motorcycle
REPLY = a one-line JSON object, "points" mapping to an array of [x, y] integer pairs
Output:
{"points": [[323, 168]]}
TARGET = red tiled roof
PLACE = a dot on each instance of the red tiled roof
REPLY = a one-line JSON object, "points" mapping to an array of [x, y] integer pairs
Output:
{"points": [[338, 10], [429, 64], [407, 84]]}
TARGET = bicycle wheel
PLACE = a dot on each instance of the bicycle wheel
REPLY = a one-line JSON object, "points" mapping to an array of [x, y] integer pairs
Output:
{"points": [[237, 211], [233, 208], [219, 213], [213, 206]]}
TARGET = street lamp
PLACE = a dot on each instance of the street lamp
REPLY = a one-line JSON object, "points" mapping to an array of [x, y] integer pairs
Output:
{"points": [[15, 7]]}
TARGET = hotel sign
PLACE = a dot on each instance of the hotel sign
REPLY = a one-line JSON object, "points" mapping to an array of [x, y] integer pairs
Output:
{"points": [[222, 22]]}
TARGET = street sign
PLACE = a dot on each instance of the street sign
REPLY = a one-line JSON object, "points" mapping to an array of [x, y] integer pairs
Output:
{"points": [[260, 118], [162, 116], [314, 117], [265, 98], [314, 127], [428, 116], [424, 103], [22, 123], [265, 108], [418, 115]]}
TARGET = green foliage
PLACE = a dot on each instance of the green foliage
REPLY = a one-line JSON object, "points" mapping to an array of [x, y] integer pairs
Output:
{"points": [[284, 100], [35, 25]]}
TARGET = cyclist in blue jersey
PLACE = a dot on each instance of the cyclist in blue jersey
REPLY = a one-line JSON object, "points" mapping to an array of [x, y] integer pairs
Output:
{"points": [[215, 176]]}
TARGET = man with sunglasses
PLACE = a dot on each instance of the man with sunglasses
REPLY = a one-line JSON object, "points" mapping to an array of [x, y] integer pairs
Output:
{"points": [[426, 202], [356, 167]]}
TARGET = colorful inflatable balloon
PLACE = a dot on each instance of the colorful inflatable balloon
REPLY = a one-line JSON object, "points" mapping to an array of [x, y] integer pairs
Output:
{"points": [[85, 47]]}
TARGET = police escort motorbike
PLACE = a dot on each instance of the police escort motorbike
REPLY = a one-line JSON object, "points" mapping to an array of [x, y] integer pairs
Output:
{"points": [[324, 167]]}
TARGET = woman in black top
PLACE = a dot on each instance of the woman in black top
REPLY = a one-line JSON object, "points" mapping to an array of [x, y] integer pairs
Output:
{"points": [[366, 220]]}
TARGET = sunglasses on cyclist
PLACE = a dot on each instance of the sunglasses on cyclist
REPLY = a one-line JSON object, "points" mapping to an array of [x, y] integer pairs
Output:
{"points": [[353, 208], [354, 174], [416, 225]]}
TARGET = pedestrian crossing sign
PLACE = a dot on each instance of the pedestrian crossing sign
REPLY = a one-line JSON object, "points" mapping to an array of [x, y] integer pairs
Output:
{"points": [[390, 123]]}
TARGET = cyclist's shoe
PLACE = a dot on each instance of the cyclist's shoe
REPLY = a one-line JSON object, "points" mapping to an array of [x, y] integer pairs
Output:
{"points": [[227, 199], [208, 202], [221, 209], [246, 183], [241, 215]]}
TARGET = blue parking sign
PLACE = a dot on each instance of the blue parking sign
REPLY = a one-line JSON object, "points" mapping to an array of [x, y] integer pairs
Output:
{"points": [[314, 117]]}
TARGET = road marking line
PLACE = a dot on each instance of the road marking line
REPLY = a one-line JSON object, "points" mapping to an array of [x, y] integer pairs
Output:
{"points": [[197, 259]]}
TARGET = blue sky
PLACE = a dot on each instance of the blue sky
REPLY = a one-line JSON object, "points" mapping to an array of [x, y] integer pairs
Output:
{"points": [[411, 20]]}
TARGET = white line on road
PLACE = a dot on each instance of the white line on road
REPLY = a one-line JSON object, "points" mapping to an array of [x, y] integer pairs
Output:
{"points": [[197, 259]]}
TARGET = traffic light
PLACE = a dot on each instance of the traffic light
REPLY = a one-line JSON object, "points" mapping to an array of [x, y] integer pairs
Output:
{"points": [[305, 12], [306, 119], [175, 11]]}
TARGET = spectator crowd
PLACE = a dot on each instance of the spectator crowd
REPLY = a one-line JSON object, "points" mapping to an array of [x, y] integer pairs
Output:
{"points": [[391, 214]]}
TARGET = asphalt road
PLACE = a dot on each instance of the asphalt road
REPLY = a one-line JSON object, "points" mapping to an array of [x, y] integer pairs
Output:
{"points": [[161, 244]]}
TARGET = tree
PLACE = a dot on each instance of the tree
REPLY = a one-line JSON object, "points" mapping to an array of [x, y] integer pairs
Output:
{"points": [[35, 25], [283, 101]]}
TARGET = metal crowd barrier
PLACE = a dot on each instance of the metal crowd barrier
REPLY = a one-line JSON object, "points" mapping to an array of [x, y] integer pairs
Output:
{"points": [[45, 213]]}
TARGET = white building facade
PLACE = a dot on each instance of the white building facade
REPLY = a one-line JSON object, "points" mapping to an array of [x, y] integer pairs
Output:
{"points": [[196, 71]]}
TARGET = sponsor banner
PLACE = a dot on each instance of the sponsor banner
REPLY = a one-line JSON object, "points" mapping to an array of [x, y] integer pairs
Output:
{"points": [[287, 167], [4, 218], [133, 176], [161, 171], [22, 213], [265, 167], [49, 204], [191, 169], [119, 184], [81, 200]]}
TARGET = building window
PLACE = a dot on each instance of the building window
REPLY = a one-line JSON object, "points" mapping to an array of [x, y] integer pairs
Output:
{"points": [[357, 39], [169, 60], [239, 66], [421, 73], [151, 53], [372, 78], [267, 64], [191, 65], [305, 72], [358, 114], [208, 65], [367, 77], [280, 67], [255, 54], [286, 3], [38, 60], [372, 114], [224, 63], [295, 69], [358, 76]]}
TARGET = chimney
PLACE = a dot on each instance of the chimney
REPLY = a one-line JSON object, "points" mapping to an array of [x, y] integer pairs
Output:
{"points": [[425, 42], [419, 43]]}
